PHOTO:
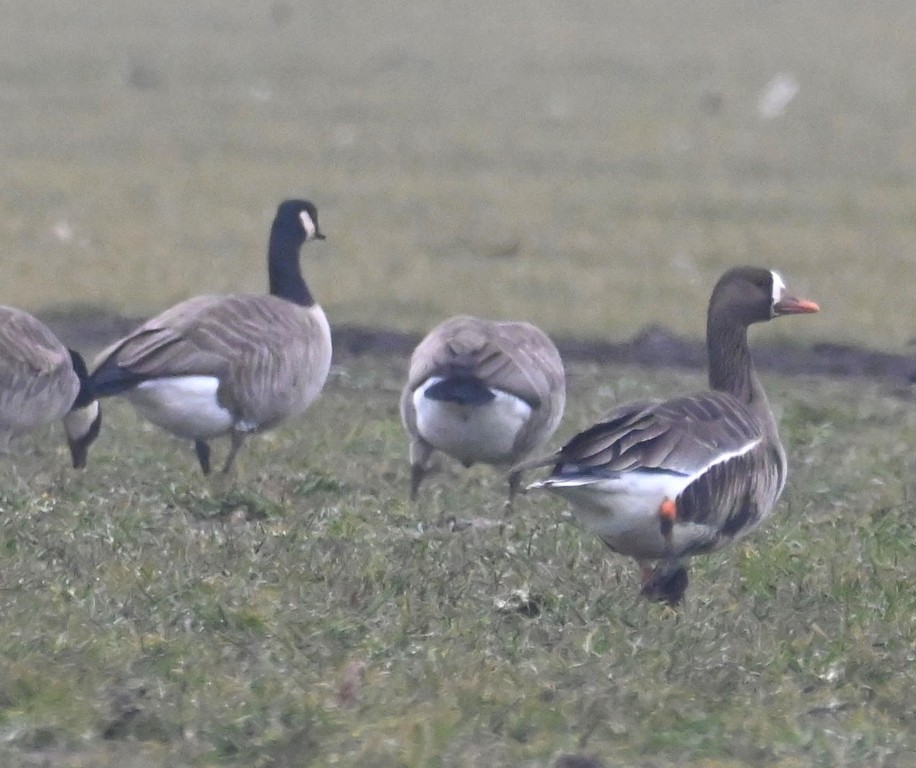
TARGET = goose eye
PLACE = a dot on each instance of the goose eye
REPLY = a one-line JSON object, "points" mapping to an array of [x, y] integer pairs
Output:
{"points": [[308, 225]]}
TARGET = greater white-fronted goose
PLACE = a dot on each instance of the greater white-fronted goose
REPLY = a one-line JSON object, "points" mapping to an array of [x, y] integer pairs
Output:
{"points": [[229, 365], [481, 391], [42, 381], [661, 481]]}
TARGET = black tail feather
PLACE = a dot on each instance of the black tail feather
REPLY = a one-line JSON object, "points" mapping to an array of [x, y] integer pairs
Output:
{"points": [[464, 390], [111, 379]]}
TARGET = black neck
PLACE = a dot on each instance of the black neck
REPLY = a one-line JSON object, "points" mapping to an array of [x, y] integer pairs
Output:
{"points": [[85, 394], [283, 268]]}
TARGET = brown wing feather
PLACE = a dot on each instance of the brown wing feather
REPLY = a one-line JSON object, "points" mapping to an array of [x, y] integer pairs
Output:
{"points": [[735, 496], [27, 345], [740, 468], [279, 375], [182, 341], [515, 357], [682, 435], [266, 351]]}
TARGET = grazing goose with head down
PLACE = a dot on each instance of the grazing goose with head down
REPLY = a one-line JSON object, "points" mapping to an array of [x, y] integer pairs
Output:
{"points": [[42, 381], [229, 365], [481, 391], [661, 481]]}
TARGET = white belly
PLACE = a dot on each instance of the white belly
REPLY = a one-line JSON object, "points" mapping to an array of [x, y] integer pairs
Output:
{"points": [[186, 406], [472, 433], [624, 510]]}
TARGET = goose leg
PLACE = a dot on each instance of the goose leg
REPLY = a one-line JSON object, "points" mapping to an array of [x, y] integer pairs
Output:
{"points": [[416, 477], [203, 455], [420, 451], [667, 582], [515, 480], [237, 439]]}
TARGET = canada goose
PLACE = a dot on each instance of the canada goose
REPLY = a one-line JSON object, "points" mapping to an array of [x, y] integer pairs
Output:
{"points": [[481, 391], [42, 381], [661, 481], [217, 365]]}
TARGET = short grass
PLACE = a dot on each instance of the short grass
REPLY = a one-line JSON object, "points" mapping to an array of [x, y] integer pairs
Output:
{"points": [[591, 167], [303, 613]]}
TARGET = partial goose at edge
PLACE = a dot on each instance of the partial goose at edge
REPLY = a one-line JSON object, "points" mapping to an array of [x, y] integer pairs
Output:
{"points": [[42, 381]]}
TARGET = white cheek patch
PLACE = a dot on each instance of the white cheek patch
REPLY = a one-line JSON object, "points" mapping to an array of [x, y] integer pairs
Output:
{"points": [[779, 286], [78, 421], [308, 225]]}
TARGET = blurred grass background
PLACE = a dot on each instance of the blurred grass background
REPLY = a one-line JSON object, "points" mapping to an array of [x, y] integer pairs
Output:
{"points": [[590, 166]]}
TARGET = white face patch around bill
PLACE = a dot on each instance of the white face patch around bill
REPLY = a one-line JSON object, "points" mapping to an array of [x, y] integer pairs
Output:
{"points": [[308, 225], [779, 286]]}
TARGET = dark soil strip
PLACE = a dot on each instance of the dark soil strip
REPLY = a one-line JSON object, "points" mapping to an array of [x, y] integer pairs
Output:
{"points": [[653, 347]]}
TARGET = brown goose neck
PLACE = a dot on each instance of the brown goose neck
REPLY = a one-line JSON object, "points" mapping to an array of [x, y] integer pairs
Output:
{"points": [[731, 368]]}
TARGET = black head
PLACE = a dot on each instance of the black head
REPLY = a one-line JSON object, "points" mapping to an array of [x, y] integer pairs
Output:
{"points": [[79, 445], [298, 219], [747, 295]]}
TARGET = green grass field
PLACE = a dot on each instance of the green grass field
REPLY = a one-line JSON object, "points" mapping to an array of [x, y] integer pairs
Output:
{"points": [[305, 614], [592, 167]]}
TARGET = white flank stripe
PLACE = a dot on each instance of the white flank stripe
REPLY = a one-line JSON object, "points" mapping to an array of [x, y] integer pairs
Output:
{"points": [[635, 483], [727, 456]]}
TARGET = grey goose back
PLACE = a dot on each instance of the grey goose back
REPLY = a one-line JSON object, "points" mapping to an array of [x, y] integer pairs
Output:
{"points": [[42, 381], [481, 391], [661, 481], [229, 365]]}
